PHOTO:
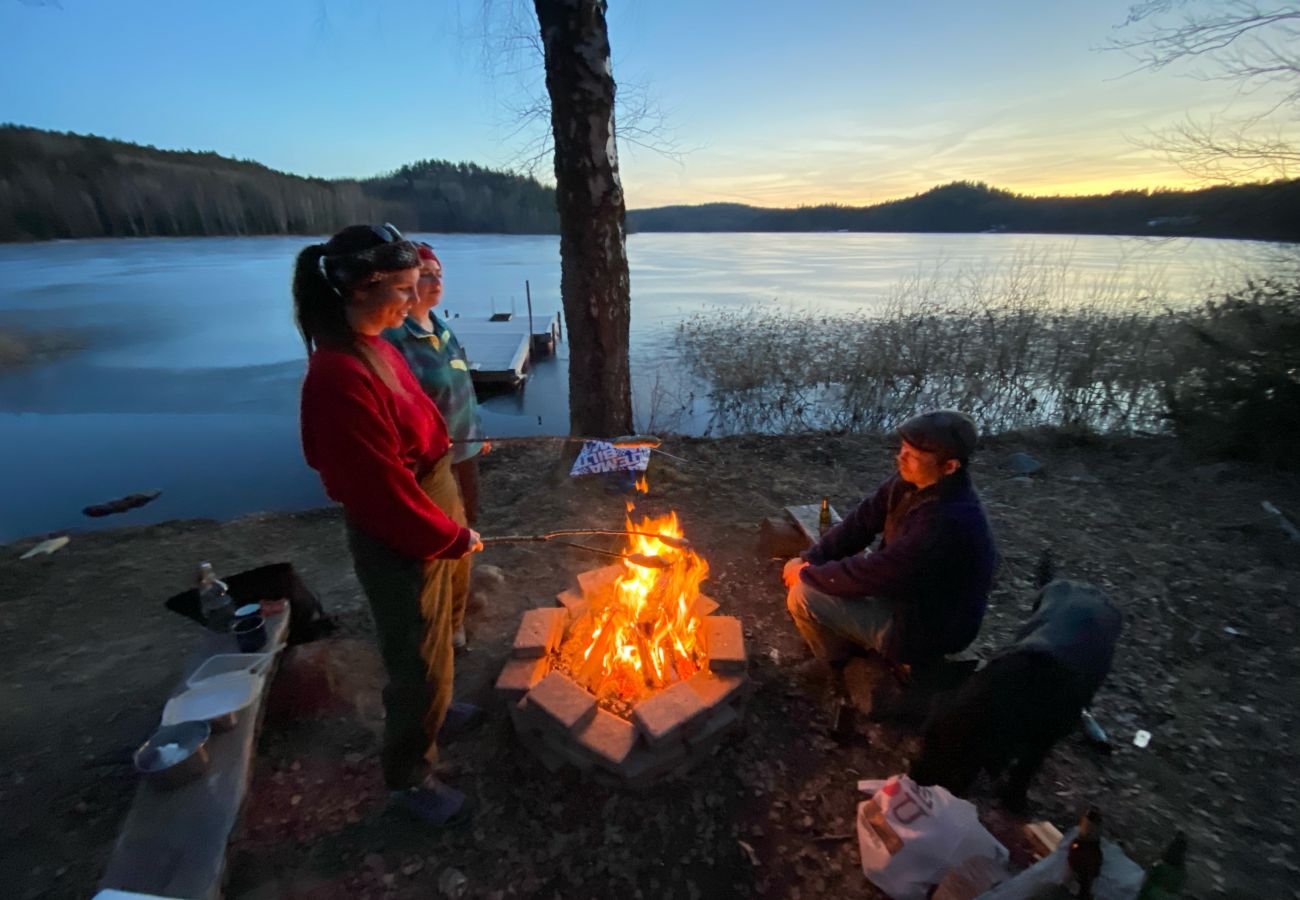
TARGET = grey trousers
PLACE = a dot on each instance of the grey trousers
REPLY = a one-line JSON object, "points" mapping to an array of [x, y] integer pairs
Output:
{"points": [[833, 626]]}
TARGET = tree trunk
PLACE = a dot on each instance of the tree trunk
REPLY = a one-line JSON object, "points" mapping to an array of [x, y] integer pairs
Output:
{"points": [[593, 254]]}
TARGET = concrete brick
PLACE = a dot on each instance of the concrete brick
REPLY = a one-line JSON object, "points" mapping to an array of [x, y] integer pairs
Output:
{"points": [[667, 713], [520, 717], [519, 675], [596, 581], [564, 747], [724, 642], [704, 606], [574, 603], [722, 721], [537, 745], [558, 700], [717, 689], [646, 765], [539, 632], [608, 737]]}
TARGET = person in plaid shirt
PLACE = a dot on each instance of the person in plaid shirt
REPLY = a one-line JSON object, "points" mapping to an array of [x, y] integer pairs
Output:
{"points": [[438, 360]]}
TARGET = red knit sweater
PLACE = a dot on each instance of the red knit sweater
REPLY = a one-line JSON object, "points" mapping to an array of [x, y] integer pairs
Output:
{"points": [[367, 440]]}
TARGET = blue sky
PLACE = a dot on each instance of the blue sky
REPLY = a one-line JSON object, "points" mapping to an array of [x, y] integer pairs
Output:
{"points": [[771, 103]]}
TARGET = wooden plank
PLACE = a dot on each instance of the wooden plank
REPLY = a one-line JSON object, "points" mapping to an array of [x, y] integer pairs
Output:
{"points": [[496, 356], [173, 843], [806, 516]]}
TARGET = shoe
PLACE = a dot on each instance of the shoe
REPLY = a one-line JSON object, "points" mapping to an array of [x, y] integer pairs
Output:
{"points": [[458, 639], [435, 802], [460, 720]]}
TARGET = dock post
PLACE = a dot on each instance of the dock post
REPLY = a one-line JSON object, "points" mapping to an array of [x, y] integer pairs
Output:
{"points": [[528, 293]]}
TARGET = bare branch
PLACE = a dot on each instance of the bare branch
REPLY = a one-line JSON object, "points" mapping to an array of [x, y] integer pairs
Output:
{"points": [[1240, 41]]}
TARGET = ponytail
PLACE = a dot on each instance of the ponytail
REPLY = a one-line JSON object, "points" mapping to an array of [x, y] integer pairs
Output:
{"points": [[318, 308]]}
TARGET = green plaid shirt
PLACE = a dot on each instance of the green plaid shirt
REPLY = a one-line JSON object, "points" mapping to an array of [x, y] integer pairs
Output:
{"points": [[440, 365]]}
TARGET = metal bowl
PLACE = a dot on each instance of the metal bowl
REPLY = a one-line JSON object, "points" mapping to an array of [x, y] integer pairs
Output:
{"points": [[170, 768]]}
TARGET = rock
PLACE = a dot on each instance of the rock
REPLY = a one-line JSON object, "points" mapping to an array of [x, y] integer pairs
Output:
{"points": [[487, 578], [452, 883], [1023, 464]]}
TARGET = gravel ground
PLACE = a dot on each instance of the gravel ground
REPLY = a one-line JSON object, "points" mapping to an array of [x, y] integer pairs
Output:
{"points": [[1207, 664]]}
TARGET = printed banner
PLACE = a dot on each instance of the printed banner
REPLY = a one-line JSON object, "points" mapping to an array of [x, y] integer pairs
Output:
{"points": [[600, 456]]}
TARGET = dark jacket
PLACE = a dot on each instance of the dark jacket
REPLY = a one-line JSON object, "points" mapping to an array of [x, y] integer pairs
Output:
{"points": [[1076, 625], [934, 564]]}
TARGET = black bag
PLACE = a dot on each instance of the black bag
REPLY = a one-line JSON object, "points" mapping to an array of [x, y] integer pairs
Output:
{"points": [[307, 618]]}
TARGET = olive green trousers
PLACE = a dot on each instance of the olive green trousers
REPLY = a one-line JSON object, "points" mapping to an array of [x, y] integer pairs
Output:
{"points": [[413, 603]]}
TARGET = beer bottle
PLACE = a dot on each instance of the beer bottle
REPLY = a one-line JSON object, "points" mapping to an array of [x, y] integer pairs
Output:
{"points": [[1167, 877], [1084, 856], [824, 516]]}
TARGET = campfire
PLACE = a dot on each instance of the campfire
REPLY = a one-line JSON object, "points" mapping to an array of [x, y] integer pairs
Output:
{"points": [[631, 675], [641, 631]]}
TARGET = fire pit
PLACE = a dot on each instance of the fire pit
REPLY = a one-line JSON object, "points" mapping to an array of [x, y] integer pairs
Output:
{"points": [[631, 677]]}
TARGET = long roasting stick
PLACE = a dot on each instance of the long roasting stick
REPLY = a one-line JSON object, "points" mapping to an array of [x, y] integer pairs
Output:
{"points": [[623, 442], [636, 559]]}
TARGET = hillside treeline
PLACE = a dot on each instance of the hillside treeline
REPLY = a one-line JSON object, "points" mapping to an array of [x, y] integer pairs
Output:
{"points": [[55, 185], [1264, 211]]}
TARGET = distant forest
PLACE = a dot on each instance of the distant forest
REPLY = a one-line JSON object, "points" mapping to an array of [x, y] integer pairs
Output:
{"points": [[55, 185], [1264, 211]]}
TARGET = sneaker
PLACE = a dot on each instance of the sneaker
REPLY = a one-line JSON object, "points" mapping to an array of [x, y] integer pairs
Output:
{"points": [[458, 639], [435, 802], [461, 719]]}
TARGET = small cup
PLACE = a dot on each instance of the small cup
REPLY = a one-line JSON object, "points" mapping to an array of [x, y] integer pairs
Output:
{"points": [[250, 633]]}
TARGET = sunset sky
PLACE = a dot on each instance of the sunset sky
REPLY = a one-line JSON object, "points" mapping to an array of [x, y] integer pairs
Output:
{"points": [[768, 103]]}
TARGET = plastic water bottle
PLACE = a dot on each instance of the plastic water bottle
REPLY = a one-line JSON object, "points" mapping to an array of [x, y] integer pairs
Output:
{"points": [[215, 604]]}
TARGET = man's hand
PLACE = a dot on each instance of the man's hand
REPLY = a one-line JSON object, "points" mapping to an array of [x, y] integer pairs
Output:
{"points": [[790, 574], [475, 541]]}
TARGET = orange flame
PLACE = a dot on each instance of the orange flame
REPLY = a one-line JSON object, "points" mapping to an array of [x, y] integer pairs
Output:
{"points": [[642, 486], [642, 634]]}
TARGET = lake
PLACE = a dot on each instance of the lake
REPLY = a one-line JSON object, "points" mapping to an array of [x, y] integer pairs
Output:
{"points": [[190, 378]]}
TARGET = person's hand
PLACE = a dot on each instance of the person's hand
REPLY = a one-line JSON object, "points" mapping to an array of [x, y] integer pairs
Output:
{"points": [[790, 574], [475, 541], [487, 448]]}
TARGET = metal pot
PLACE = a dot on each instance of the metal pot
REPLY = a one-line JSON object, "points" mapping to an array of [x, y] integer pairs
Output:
{"points": [[169, 768]]}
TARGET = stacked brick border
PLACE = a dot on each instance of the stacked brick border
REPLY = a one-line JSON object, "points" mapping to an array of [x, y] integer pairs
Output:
{"points": [[668, 733]]}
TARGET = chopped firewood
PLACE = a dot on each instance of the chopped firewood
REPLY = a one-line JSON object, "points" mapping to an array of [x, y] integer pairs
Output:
{"points": [[1044, 836]]}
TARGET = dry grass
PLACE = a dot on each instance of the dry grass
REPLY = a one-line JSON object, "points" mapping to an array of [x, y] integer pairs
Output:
{"points": [[1017, 347]]}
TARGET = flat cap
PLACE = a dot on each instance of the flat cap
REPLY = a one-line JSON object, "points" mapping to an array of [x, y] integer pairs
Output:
{"points": [[945, 431]]}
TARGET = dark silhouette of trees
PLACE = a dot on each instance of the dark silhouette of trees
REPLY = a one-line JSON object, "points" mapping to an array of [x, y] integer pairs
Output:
{"points": [[1264, 211], [55, 185]]}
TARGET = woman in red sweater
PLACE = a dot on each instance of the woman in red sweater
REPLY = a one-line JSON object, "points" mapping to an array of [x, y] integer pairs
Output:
{"points": [[381, 449]]}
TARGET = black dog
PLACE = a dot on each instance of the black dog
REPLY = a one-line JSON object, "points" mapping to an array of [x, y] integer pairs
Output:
{"points": [[1028, 697]]}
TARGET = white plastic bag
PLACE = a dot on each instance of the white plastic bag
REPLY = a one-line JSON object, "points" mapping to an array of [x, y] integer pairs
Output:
{"points": [[909, 836]]}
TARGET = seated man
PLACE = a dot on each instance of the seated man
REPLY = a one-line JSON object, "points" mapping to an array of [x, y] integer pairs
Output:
{"points": [[923, 592]]}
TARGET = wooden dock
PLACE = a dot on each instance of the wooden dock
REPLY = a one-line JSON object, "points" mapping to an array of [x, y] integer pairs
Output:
{"points": [[501, 347]]}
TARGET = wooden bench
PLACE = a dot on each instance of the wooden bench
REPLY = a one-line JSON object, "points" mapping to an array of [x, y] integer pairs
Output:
{"points": [[806, 518], [173, 843]]}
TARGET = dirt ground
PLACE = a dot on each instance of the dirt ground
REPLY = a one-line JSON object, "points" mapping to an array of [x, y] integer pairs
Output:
{"points": [[1184, 548]]}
